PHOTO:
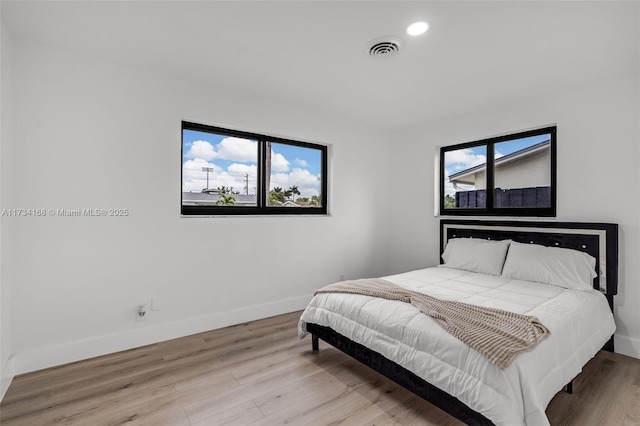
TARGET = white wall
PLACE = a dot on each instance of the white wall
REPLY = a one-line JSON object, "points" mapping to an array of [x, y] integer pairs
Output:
{"points": [[97, 135], [6, 190], [598, 158]]}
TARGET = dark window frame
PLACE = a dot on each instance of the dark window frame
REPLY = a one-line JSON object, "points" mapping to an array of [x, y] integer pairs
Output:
{"points": [[261, 209], [490, 210]]}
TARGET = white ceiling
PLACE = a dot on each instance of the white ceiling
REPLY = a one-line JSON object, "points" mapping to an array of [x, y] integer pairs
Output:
{"points": [[475, 54]]}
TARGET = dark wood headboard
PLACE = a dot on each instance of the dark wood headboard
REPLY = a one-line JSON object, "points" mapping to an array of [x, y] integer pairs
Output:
{"points": [[600, 240]]}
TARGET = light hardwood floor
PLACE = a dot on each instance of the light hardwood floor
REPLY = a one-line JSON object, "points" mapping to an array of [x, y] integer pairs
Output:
{"points": [[260, 373]]}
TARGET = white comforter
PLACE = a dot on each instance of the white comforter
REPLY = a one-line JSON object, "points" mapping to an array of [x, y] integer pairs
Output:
{"points": [[580, 323]]}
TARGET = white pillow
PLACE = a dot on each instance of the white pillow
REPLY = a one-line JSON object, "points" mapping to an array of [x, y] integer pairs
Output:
{"points": [[476, 255], [550, 265]]}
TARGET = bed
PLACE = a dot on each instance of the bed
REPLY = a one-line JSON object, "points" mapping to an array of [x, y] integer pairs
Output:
{"points": [[408, 347]]}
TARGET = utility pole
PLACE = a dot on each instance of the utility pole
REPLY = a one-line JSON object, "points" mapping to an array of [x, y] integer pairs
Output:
{"points": [[207, 169], [246, 183]]}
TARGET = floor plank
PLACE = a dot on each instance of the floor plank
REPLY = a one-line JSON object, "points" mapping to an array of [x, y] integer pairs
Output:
{"points": [[260, 373]]}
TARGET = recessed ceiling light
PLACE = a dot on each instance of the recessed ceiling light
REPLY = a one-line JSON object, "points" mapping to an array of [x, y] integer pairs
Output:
{"points": [[417, 28]]}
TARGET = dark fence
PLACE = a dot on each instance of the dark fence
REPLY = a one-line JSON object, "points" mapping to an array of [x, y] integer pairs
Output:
{"points": [[538, 196]]}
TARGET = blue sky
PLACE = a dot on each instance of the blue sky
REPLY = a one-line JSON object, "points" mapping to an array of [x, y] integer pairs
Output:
{"points": [[505, 148], [309, 159], [235, 159], [191, 136], [462, 159]]}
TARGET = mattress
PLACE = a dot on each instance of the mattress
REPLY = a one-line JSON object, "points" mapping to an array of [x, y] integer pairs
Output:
{"points": [[580, 323]]}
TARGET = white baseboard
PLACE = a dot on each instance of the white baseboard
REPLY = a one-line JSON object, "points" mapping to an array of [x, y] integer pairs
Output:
{"points": [[6, 376], [626, 345], [78, 350]]}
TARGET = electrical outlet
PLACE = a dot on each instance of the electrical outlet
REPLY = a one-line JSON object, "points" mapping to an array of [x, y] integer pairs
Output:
{"points": [[141, 313]]}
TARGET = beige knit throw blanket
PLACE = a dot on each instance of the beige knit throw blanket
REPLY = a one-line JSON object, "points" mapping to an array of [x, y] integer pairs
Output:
{"points": [[498, 335]]}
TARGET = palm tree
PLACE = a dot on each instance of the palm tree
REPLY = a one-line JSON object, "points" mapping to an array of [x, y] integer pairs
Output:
{"points": [[276, 196], [294, 190]]}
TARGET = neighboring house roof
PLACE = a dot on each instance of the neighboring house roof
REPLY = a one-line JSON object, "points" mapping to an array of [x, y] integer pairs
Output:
{"points": [[210, 198], [290, 203], [196, 198], [514, 156]]}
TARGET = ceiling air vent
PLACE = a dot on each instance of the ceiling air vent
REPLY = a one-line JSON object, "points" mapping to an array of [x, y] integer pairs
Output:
{"points": [[384, 47]]}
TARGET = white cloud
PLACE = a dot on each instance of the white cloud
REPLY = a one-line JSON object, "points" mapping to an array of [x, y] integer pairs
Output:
{"points": [[306, 182], [463, 159], [193, 178], [237, 168], [202, 154], [238, 174], [279, 163], [193, 167], [233, 149], [201, 149], [238, 149]]}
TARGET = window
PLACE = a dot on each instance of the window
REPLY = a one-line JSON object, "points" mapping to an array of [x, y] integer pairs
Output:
{"points": [[229, 172], [513, 175]]}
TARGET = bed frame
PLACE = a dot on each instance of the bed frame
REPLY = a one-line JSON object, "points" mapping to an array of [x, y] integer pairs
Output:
{"points": [[600, 240]]}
